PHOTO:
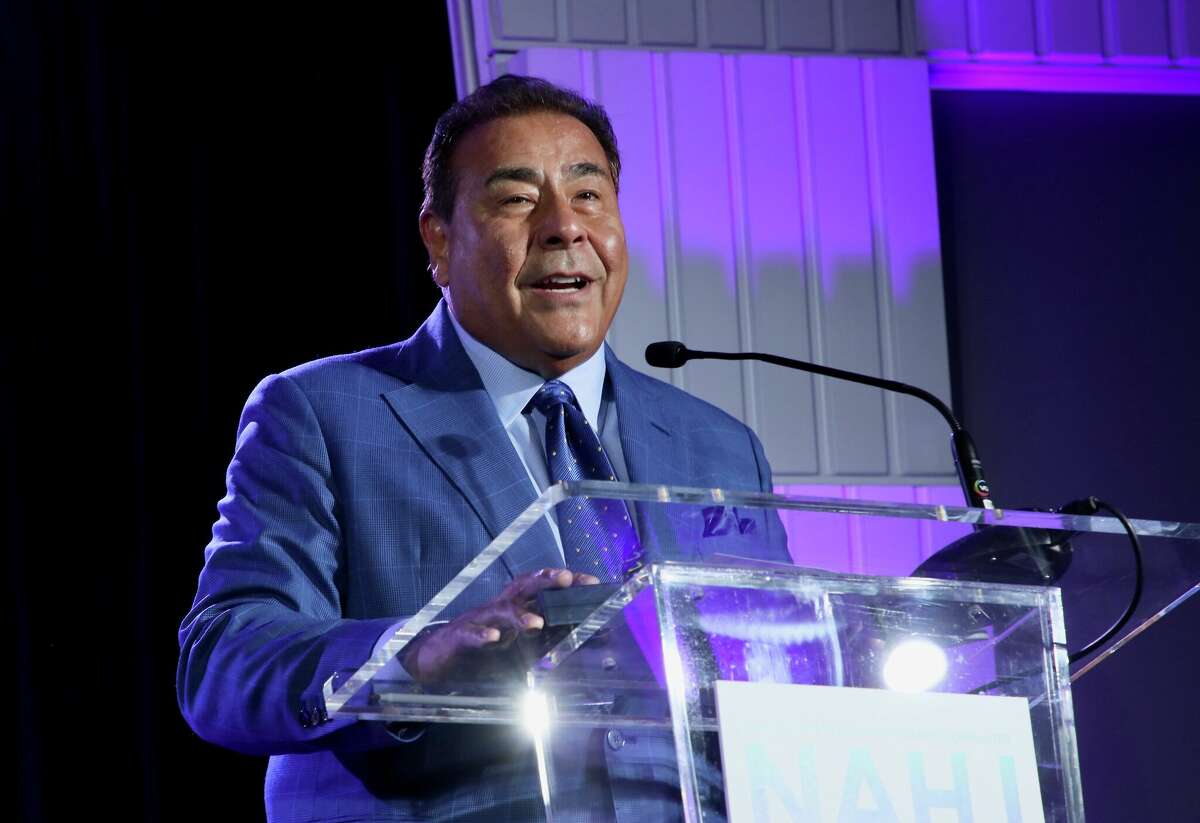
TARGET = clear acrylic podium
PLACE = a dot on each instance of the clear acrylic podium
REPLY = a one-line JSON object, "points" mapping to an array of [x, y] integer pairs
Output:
{"points": [[623, 696]]}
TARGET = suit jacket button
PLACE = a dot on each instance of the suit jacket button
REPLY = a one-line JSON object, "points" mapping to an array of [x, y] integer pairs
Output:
{"points": [[615, 740]]}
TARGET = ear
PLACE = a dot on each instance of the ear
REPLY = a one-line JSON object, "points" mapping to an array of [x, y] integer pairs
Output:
{"points": [[435, 235]]}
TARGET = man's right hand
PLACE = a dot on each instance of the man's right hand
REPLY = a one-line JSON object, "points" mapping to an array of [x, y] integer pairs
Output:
{"points": [[452, 647]]}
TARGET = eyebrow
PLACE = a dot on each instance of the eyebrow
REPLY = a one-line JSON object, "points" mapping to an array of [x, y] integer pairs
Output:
{"points": [[524, 174], [585, 169], [519, 174]]}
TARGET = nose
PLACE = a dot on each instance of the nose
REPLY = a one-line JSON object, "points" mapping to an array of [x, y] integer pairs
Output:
{"points": [[560, 227]]}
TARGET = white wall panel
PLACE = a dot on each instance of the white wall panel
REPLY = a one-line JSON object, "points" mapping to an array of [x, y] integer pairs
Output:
{"points": [[1185, 30], [1004, 28], [988, 37], [560, 66], [942, 27], [667, 22], [1137, 31], [596, 21], [868, 26], [735, 24], [1072, 30], [804, 25], [786, 205], [525, 19]]}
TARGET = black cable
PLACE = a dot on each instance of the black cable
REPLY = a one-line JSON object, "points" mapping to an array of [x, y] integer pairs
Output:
{"points": [[1138, 580], [1094, 504]]}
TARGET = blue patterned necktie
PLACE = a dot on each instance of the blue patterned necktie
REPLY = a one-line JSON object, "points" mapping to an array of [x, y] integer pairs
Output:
{"points": [[597, 535]]}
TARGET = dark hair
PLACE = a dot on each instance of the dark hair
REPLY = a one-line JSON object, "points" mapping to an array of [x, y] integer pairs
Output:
{"points": [[506, 96]]}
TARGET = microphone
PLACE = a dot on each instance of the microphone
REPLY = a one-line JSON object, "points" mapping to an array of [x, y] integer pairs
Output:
{"points": [[671, 354], [667, 354], [1007, 555]]}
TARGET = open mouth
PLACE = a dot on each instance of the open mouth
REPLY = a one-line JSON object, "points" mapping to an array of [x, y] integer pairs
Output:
{"points": [[561, 282]]}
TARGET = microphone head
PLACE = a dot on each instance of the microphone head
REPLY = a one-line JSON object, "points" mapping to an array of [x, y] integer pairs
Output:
{"points": [[667, 354]]}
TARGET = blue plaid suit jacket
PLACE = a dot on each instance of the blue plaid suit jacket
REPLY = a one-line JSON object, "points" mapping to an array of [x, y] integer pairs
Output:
{"points": [[360, 485]]}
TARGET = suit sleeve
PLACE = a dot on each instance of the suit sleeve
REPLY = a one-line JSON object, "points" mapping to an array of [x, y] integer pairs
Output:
{"points": [[266, 628], [775, 546]]}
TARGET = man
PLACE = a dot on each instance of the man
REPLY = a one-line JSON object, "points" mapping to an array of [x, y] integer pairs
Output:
{"points": [[361, 484]]}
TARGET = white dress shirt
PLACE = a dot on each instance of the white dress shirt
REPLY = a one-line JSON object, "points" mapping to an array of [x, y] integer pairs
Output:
{"points": [[510, 388]]}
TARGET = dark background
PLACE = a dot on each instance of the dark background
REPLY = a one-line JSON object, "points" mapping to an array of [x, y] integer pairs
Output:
{"points": [[195, 198], [1071, 246]]}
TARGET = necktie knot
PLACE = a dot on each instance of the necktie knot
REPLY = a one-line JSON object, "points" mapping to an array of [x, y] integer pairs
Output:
{"points": [[551, 395]]}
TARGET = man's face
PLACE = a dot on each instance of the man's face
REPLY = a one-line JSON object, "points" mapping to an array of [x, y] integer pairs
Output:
{"points": [[533, 259]]}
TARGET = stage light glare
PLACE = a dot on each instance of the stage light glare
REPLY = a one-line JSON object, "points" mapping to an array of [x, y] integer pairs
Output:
{"points": [[535, 713], [914, 666]]}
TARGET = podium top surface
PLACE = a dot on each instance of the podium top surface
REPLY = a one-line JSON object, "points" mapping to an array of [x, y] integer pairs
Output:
{"points": [[1088, 559]]}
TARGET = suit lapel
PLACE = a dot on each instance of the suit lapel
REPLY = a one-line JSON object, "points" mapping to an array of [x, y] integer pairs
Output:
{"points": [[652, 437], [447, 410], [652, 453]]}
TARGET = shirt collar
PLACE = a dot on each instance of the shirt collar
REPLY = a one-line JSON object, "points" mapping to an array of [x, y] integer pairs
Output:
{"points": [[511, 387]]}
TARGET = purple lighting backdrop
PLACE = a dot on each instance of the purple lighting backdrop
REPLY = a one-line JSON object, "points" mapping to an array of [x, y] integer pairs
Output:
{"points": [[786, 205], [857, 545]]}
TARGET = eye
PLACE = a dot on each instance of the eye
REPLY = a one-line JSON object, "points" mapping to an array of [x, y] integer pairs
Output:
{"points": [[589, 195]]}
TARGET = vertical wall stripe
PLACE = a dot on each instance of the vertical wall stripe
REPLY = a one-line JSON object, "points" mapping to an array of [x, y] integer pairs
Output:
{"points": [[850, 324], [941, 28], [587, 73], [737, 216], [838, 19], [708, 282], [624, 81], [974, 40], [670, 230], [882, 268], [560, 19], [1072, 30], [1109, 28], [1186, 25], [775, 249], [1041, 27], [925, 538], [632, 23], [907, 240], [812, 259], [1175, 29], [855, 550], [771, 24], [1142, 31]]}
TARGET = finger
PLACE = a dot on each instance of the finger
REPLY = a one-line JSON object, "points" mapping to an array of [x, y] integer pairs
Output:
{"points": [[528, 585], [583, 579], [507, 615]]}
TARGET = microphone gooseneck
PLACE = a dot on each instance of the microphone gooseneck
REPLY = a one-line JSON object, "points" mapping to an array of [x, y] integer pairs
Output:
{"points": [[1031, 556], [671, 354]]}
